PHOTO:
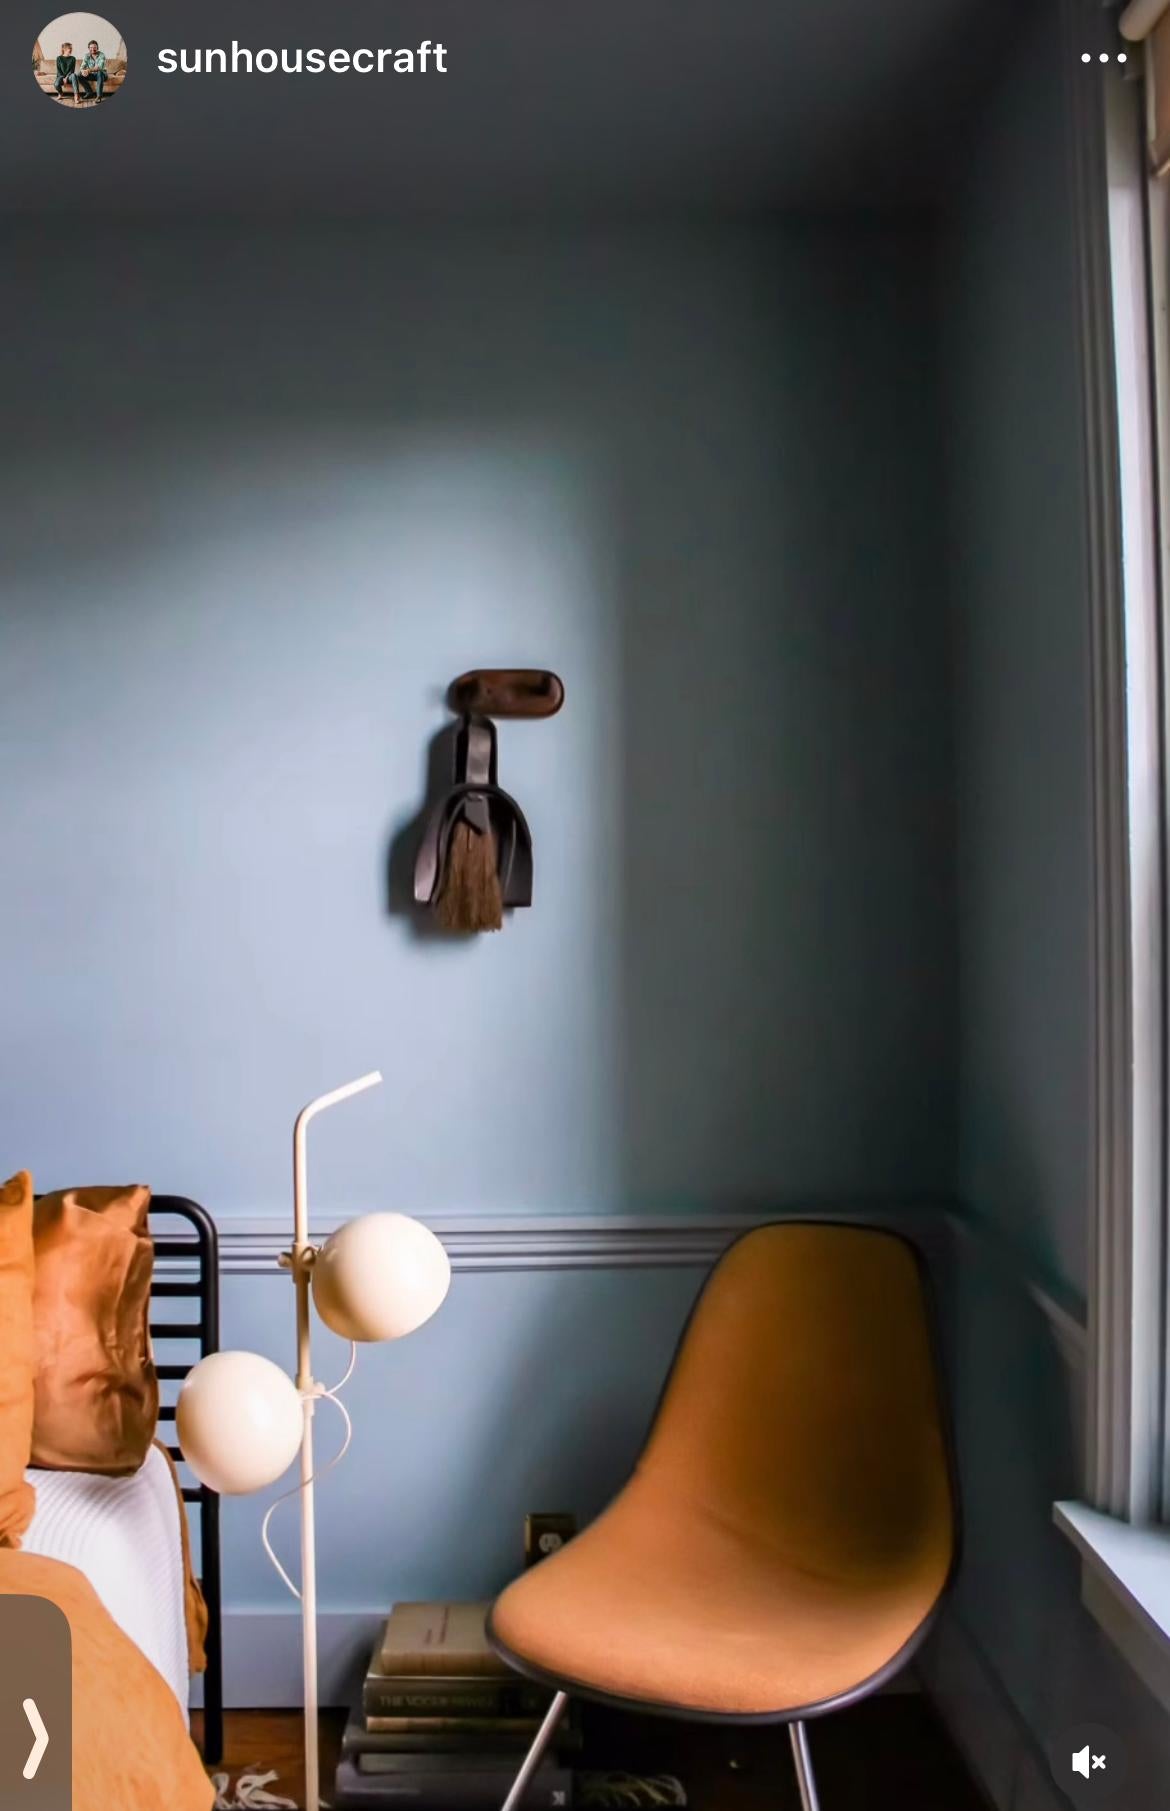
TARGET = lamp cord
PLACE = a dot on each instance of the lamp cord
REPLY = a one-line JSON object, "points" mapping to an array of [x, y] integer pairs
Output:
{"points": [[322, 1395], [341, 1383]]}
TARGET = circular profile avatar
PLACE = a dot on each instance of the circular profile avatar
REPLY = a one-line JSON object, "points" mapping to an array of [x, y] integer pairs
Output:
{"points": [[79, 60]]}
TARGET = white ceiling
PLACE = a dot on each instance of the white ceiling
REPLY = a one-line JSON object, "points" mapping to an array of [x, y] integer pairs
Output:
{"points": [[598, 105]]}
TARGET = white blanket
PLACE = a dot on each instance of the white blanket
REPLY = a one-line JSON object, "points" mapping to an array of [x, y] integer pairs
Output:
{"points": [[124, 1534]]}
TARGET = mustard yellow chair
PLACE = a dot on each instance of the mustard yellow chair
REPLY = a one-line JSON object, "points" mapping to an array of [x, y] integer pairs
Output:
{"points": [[790, 1528]]}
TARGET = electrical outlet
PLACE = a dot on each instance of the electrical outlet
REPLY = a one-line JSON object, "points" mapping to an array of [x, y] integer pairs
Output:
{"points": [[546, 1531]]}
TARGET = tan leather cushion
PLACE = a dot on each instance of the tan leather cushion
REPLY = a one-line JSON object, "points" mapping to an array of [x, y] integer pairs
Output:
{"points": [[789, 1526], [96, 1388], [17, 1499], [131, 1749]]}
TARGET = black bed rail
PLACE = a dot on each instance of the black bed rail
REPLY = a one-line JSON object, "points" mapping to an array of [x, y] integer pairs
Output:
{"points": [[199, 1282]]}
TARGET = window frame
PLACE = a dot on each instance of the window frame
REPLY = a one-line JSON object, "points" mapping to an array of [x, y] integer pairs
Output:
{"points": [[1123, 243], [1158, 304], [1122, 264]]}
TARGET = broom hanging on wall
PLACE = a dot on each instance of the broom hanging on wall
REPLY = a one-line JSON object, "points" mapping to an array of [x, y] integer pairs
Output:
{"points": [[476, 854]]}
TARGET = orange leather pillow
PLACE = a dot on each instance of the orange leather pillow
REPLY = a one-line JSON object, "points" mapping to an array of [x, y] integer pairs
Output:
{"points": [[17, 1498], [96, 1392]]}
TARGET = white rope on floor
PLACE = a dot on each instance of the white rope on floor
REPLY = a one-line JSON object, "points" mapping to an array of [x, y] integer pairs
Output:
{"points": [[251, 1793]]}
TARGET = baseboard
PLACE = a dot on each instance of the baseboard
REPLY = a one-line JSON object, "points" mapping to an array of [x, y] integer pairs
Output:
{"points": [[1000, 1750], [262, 1657]]}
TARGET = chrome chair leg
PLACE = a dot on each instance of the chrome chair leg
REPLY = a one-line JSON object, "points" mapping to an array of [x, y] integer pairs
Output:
{"points": [[532, 1759], [798, 1736]]}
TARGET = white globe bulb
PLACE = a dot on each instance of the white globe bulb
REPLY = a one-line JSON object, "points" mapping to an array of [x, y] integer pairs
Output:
{"points": [[239, 1420], [380, 1277]]}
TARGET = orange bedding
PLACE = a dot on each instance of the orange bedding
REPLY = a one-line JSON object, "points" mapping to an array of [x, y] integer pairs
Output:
{"points": [[131, 1751]]}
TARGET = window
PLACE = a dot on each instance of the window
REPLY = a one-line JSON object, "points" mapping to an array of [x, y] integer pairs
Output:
{"points": [[1128, 1470], [1123, 264]]}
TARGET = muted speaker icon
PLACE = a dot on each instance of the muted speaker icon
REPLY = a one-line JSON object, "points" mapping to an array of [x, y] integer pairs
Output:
{"points": [[1088, 1762]]}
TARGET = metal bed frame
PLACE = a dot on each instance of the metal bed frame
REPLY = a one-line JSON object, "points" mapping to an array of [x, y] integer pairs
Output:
{"points": [[202, 1286]]}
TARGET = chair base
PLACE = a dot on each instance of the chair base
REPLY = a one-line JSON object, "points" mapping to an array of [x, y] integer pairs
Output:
{"points": [[532, 1759], [802, 1761], [798, 1735]]}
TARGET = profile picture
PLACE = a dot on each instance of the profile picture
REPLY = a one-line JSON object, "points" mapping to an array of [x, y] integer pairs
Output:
{"points": [[79, 60]]}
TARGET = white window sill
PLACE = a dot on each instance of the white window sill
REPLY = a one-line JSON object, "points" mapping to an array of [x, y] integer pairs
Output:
{"points": [[1125, 1584]]}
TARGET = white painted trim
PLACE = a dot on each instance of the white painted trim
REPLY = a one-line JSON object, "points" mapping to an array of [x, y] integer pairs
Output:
{"points": [[252, 1247], [1072, 1336], [1140, 1241], [516, 1242], [1110, 1121], [1125, 1584], [1070, 1331], [262, 1657], [1148, 1655], [1120, 559], [1158, 215]]}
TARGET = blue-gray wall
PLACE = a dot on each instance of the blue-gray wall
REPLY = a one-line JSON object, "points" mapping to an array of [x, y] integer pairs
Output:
{"points": [[316, 475], [1020, 1660]]}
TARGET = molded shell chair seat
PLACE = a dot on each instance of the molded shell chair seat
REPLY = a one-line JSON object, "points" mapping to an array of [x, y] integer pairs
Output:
{"points": [[790, 1528]]}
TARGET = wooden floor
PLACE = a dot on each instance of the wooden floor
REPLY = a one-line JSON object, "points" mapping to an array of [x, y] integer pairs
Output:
{"points": [[889, 1751]]}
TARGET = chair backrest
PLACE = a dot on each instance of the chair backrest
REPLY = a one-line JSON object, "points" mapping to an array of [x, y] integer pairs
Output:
{"points": [[804, 1404]]}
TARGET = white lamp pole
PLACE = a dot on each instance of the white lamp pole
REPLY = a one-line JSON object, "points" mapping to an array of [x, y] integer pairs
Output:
{"points": [[241, 1420], [303, 1255]]}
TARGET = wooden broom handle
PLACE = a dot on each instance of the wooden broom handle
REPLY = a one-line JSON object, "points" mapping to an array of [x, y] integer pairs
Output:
{"points": [[506, 692]]}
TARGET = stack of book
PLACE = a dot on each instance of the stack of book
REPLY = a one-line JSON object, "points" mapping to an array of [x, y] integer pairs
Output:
{"points": [[443, 1724]]}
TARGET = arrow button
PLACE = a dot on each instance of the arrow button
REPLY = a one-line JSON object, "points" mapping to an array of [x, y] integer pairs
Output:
{"points": [[40, 1738], [36, 1708]]}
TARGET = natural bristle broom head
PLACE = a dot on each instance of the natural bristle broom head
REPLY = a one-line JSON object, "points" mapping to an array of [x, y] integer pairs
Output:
{"points": [[469, 896]]}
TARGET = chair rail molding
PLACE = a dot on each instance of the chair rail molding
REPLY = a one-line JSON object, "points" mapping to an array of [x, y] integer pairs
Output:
{"points": [[484, 1241], [1064, 1313]]}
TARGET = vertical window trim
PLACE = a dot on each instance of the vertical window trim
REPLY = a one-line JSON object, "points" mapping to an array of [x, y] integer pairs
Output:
{"points": [[1136, 225], [1158, 328], [1127, 1460]]}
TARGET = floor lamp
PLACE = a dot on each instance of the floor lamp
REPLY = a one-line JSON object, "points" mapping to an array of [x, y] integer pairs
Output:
{"points": [[241, 1420]]}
